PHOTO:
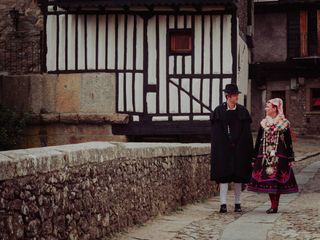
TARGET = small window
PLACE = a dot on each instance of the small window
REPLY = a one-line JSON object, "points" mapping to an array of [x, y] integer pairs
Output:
{"points": [[309, 32], [181, 42], [315, 99], [304, 33]]}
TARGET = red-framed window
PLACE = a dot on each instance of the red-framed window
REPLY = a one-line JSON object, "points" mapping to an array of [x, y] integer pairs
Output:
{"points": [[180, 42], [304, 33], [315, 99], [309, 32]]}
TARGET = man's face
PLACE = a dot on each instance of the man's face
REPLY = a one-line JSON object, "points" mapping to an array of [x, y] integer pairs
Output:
{"points": [[233, 98]]}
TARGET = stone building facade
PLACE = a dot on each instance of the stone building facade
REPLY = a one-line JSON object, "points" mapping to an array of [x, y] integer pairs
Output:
{"points": [[286, 61], [21, 29], [74, 101], [64, 108]]}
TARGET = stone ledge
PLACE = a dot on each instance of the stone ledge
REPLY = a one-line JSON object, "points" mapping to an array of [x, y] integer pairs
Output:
{"points": [[312, 113], [76, 118], [92, 190], [18, 163]]}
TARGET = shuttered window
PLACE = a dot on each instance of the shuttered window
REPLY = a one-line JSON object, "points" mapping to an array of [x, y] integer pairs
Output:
{"points": [[312, 34], [304, 33], [318, 31], [293, 34], [181, 42]]}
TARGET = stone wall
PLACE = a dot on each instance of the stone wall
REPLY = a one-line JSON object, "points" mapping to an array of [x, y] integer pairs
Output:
{"points": [[242, 14], [258, 99], [65, 108], [20, 48], [58, 129], [91, 190], [270, 40], [61, 93], [270, 37], [303, 120]]}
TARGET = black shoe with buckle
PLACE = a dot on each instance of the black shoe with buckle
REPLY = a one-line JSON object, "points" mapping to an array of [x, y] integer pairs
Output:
{"points": [[237, 207], [272, 210], [223, 208]]}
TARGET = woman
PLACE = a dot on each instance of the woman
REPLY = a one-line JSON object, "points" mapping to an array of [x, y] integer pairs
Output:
{"points": [[273, 156]]}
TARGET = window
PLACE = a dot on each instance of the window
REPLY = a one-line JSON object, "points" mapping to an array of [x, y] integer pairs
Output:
{"points": [[304, 33], [180, 42], [309, 31], [315, 99]]}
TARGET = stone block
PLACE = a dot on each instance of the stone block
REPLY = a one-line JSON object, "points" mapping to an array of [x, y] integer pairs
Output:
{"points": [[68, 93], [69, 118], [98, 93], [15, 92], [98, 187], [36, 93], [49, 86], [50, 117], [33, 160]]}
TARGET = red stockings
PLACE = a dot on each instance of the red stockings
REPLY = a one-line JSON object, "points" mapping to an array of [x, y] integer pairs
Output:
{"points": [[274, 198]]}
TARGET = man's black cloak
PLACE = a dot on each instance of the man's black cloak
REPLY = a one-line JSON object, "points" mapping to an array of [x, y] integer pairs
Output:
{"points": [[231, 151]]}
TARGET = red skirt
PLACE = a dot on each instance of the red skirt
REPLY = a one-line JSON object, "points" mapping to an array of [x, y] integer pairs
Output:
{"points": [[280, 180]]}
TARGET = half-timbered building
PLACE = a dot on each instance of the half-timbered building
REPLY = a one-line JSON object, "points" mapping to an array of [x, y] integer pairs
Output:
{"points": [[170, 59]]}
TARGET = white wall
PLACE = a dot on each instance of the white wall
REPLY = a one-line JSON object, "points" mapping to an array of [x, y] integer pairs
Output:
{"points": [[243, 68], [131, 85]]}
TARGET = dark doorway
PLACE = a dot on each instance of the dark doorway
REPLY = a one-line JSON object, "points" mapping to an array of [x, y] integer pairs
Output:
{"points": [[282, 95]]}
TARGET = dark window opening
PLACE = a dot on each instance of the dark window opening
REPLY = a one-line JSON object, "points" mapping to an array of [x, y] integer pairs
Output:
{"points": [[304, 33], [181, 42], [309, 32], [315, 99], [312, 34]]}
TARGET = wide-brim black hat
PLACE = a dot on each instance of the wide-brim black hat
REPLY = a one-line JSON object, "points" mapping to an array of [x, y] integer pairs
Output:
{"points": [[231, 88]]}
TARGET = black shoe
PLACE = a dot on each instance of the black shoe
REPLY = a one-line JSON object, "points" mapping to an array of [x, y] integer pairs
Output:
{"points": [[272, 210], [237, 207], [223, 208]]}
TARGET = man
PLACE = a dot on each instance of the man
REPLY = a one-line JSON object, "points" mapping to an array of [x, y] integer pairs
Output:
{"points": [[231, 147]]}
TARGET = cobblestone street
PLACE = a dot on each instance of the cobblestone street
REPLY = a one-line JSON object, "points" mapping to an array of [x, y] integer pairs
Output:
{"points": [[298, 216], [302, 219], [160, 120]]}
